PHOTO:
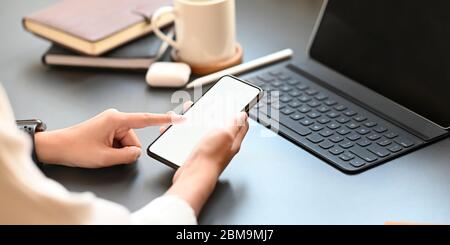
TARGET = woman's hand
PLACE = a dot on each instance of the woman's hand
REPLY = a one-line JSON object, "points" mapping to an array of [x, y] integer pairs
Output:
{"points": [[195, 180], [108, 139], [105, 140]]}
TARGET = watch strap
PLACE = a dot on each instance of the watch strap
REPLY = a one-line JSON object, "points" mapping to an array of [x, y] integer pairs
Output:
{"points": [[31, 127]]}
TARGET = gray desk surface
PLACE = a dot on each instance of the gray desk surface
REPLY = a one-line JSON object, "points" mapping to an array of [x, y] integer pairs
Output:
{"points": [[270, 182]]}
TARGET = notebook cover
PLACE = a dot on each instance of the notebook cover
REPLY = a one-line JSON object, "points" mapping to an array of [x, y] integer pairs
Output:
{"points": [[148, 47], [144, 47], [94, 20]]}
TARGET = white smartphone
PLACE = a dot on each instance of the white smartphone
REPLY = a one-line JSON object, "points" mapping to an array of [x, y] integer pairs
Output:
{"points": [[223, 101]]}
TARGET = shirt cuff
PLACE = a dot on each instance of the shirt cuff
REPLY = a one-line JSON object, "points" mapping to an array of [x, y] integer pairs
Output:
{"points": [[165, 210]]}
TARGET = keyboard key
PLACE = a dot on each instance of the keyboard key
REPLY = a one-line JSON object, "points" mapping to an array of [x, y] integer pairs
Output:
{"points": [[363, 153], [326, 133], [350, 113], [404, 142], [391, 135], [313, 115], [373, 136], [276, 72], [306, 122], [311, 92], [295, 93], [326, 144], [364, 142], [304, 109], [394, 148], [276, 84], [332, 114], [296, 116], [362, 131], [378, 150], [266, 78], [340, 107], [370, 124], [304, 98], [323, 120], [384, 142], [278, 106], [352, 125], [302, 87], [323, 109], [295, 126], [330, 102], [293, 82], [333, 125], [284, 77], [315, 138], [287, 111], [343, 120], [336, 150], [346, 144], [285, 88], [285, 99], [353, 137], [380, 129], [316, 127], [336, 138], [346, 156], [357, 162], [314, 103], [360, 118], [321, 97], [343, 131], [294, 104]]}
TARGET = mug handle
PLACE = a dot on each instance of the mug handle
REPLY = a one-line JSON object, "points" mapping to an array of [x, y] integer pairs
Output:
{"points": [[154, 22]]}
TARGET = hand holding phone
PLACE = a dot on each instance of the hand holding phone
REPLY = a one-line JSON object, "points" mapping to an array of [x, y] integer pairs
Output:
{"points": [[212, 134], [215, 109], [196, 179]]}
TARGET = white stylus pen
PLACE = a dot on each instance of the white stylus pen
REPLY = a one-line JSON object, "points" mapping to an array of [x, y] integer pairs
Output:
{"points": [[235, 70]]}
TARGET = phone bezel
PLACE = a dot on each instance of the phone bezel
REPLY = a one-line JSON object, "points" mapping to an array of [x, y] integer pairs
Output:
{"points": [[253, 102]]}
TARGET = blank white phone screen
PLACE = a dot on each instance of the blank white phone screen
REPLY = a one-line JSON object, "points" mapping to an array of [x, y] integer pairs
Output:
{"points": [[217, 108]]}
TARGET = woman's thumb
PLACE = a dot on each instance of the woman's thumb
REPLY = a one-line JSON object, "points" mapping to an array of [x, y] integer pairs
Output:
{"points": [[127, 154]]}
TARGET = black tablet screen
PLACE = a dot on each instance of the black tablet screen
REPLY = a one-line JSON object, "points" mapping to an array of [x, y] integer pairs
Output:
{"points": [[400, 49]]}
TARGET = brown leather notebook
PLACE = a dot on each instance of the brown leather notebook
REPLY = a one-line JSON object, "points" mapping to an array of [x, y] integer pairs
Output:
{"points": [[94, 27], [137, 55]]}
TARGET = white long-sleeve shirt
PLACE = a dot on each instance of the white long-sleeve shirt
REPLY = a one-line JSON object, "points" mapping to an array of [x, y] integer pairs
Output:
{"points": [[29, 197]]}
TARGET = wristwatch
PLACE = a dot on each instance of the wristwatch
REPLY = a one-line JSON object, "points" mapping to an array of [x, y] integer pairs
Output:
{"points": [[31, 127]]}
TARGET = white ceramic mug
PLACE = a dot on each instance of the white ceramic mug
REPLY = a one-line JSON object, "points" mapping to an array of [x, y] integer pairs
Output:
{"points": [[205, 30]]}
